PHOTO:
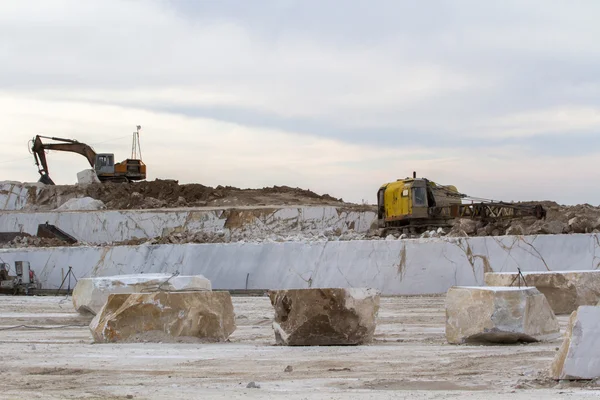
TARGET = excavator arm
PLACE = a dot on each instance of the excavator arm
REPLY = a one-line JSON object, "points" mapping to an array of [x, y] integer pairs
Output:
{"points": [[38, 149]]}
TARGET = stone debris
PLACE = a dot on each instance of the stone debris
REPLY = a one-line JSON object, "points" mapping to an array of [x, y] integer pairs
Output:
{"points": [[498, 315], [564, 290], [91, 294], [243, 236], [579, 354], [324, 317], [82, 204], [26, 240], [582, 218], [165, 317]]}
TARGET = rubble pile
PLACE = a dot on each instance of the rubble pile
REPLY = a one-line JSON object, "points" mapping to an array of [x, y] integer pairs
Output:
{"points": [[241, 236], [582, 218], [170, 194], [34, 241]]}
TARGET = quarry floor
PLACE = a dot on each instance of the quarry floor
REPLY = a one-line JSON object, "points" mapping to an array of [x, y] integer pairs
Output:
{"points": [[408, 359]]}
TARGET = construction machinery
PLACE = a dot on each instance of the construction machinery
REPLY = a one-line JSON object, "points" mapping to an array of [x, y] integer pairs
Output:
{"points": [[131, 169], [416, 204], [25, 281]]}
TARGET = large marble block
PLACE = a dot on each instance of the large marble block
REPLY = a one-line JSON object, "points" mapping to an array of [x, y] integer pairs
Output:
{"points": [[565, 290], [90, 294], [165, 316], [321, 317], [579, 355], [498, 315]]}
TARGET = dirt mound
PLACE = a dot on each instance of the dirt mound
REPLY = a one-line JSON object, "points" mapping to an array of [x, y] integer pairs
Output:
{"points": [[170, 194]]}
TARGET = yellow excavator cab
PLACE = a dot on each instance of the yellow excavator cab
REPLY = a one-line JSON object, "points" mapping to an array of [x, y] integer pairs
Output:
{"points": [[408, 200]]}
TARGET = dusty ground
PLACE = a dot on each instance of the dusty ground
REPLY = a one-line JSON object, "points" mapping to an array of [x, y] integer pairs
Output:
{"points": [[409, 359]]}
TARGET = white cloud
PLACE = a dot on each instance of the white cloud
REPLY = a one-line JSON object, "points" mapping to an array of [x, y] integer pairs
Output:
{"points": [[537, 122], [218, 153], [431, 90]]}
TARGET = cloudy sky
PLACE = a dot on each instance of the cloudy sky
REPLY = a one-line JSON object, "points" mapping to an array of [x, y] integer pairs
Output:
{"points": [[501, 99]]}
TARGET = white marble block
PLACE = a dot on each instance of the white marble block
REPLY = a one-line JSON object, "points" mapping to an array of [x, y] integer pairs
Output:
{"points": [[90, 294], [498, 315], [579, 355], [565, 290]]}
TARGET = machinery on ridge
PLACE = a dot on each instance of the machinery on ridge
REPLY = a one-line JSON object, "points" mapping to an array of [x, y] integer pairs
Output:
{"points": [[131, 169], [418, 204], [24, 281]]}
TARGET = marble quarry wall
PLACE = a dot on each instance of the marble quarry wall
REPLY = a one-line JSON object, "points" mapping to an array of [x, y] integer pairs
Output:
{"points": [[109, 226], [416, 266], [15, 195]]}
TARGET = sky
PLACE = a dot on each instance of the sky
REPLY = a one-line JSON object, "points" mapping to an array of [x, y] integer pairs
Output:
{"points": [[501, 99]]}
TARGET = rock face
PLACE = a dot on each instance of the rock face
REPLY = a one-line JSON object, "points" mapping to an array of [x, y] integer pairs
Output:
{"points": [[579, 355], [565, 290], [324, 317], [165, 316], [90, 294], [498, 315]]}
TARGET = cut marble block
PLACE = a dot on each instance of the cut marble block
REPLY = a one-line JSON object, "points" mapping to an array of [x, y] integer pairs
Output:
{"points": [[498, 315], [320, 317], [90, 294], [165, 316], [579, 355], [564, 290], [87, 176]]}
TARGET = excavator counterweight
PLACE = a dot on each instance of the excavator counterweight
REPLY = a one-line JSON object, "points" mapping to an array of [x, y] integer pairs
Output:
{"points": [[103, 164]]}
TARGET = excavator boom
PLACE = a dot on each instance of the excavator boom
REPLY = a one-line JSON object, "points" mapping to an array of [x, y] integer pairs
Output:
{"points": [[38, 148]]}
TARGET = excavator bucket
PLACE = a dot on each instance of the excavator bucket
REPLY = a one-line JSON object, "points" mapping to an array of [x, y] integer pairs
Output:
{"points": [[45, 179]]}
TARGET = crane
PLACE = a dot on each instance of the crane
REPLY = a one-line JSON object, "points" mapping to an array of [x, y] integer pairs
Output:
{"points": [[418, 203]]}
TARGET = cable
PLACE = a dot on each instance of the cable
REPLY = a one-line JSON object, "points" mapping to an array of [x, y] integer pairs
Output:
{"points": [[111, 140]]}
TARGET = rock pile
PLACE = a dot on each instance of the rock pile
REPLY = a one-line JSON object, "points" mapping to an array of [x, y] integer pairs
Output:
{"points": [[582, 218], [34, 241]]}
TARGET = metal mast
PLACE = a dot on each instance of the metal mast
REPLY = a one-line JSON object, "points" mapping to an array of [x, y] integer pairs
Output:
{"points": [[136, 148]]}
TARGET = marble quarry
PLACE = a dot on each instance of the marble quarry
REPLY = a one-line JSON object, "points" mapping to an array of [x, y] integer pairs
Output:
{"points": [[416, 266], [110, 226]]}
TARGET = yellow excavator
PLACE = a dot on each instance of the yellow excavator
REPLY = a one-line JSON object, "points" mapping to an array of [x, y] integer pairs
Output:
{"points": [[131, 169], [420, 203]]}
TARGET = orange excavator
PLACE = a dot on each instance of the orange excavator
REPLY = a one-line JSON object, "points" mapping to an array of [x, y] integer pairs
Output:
{"points": [[132, 169]]}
